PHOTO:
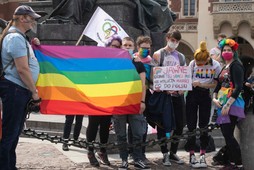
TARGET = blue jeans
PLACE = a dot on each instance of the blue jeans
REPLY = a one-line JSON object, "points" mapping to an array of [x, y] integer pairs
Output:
{"points": [[138, 127], [14, 99]]}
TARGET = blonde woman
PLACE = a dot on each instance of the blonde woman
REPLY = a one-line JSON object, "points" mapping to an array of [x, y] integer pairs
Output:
{"points": [[198, 101]]}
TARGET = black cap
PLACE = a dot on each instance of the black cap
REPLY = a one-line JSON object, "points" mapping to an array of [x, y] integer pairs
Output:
{"points": [[26, 10]]}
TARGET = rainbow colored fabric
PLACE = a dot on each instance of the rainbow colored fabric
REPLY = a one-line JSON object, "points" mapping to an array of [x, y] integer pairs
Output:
{"points": [[87, 80], [236, 109]]}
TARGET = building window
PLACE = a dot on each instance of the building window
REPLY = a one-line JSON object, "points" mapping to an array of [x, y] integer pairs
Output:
{"points": [[189, 7]]}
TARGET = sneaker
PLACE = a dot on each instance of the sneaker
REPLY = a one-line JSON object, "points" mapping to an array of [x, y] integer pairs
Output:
{"points": [[140, 165], [174, 158], [124, 165], [146, 161], [92, 159], [240, 168], [230, 167], [166, 161], [65, 147], [130, 158], [103, 157], [202, 161], [193, 162]]}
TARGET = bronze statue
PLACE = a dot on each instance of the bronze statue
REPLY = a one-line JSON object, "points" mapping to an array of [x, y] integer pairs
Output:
{"points": [[154, 15], [72, 10]]}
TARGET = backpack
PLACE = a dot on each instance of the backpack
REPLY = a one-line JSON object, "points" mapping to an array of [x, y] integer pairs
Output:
{"points": [[2, 69]]}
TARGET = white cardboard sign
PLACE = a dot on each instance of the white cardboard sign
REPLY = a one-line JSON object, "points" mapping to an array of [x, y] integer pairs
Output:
{"points": [[175, 78]]}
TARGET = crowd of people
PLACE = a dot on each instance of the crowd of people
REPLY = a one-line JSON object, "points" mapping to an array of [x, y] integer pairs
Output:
{"points": [[219, 72]]}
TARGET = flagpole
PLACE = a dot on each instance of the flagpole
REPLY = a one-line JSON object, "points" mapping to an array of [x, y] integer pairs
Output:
{"points": [[80, 38]]}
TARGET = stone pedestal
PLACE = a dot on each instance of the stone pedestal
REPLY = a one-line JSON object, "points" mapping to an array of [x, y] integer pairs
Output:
{"points": [[246, 140]]}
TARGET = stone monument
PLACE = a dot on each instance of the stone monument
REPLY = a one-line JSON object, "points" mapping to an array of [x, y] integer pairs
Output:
{"points": [[127, 13]]}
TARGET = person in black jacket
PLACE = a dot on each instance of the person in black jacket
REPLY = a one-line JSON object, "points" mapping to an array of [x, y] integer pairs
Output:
{"points": [[227, 97]]}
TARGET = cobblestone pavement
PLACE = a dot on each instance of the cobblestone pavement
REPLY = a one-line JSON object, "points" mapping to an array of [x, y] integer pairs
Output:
{"points": [[33, 154]]}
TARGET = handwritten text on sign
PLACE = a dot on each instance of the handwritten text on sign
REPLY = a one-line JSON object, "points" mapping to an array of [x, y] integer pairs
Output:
{"points": [[172, 78]]}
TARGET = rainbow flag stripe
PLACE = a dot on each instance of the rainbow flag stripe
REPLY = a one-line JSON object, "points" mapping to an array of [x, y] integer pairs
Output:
{"points": [[87, 80], [236, 109]]}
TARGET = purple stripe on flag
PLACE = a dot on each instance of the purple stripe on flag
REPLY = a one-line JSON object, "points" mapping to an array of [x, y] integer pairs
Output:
{"points": [[91, 52]]}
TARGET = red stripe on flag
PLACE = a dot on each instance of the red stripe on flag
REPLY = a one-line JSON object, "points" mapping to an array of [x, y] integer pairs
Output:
{"points": [[81, 108]]}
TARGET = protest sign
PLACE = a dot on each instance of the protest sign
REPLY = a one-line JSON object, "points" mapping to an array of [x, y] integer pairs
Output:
{"points": [[174, 78]]}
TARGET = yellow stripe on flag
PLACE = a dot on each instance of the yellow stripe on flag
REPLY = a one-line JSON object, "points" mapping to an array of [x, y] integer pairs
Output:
{"points": [[91, 90]]}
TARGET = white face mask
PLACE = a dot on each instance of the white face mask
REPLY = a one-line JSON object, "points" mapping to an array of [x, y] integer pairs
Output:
{"points": [[172, 45], [34, 27]]}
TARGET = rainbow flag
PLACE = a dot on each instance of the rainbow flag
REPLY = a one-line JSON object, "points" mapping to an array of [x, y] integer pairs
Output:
{"points": [[87, 80], [236, 109]]}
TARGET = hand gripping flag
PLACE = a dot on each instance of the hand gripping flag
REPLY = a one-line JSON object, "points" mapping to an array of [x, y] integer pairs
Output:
{"points": [[87, 80]]}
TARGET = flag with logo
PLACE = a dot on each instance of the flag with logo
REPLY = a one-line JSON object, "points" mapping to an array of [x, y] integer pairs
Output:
{"points": [[102, 26]]}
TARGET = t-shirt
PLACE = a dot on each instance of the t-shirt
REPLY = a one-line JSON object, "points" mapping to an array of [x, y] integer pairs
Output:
{"points": [[167, 58], [206, 73], [215, 51], [139, 67], [171, 59], [14, 46], [236, 74]]}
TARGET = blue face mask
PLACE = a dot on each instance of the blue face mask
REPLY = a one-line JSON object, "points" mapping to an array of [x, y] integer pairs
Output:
{"points": [[130, 51]]}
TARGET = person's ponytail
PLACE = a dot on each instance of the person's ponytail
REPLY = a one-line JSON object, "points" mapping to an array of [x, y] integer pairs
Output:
{"points": [[4, 33]]}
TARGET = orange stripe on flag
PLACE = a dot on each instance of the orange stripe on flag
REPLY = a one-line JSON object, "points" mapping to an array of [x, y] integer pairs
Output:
{"points": [[72, 95]]}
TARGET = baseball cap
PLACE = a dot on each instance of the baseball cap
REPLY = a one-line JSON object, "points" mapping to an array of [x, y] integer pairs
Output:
{"points": [[26, 10]]}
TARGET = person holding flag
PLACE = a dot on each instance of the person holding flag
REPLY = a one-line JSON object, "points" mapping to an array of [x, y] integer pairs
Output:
{"points": [[17, 85], [102, 121], [136, 121]]}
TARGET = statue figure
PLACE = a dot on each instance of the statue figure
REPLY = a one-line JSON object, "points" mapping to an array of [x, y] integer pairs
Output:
{"points": [[154, 16], [71, 10]]}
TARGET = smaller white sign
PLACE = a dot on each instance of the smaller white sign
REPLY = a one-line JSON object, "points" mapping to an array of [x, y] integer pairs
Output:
{"points": [[173, 78]]}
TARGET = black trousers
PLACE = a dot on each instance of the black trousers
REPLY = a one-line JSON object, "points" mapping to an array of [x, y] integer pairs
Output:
{"points": [[231, 143], [198, 103], [178, 105], [77, 127], [94, 122]]}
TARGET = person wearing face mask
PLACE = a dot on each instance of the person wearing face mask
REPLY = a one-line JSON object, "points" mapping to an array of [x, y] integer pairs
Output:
{"points": [[17, 87], [143, 55], [215, 52], [136, 121], [198, 101], [227, 97], [100, 123], [169, 56]]}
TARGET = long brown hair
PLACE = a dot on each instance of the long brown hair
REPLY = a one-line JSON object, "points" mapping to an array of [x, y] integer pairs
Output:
{"points": [[4, 33]]}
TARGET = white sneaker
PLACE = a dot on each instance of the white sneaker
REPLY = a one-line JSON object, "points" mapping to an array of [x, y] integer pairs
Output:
{"points": [[193, 162], [174, 158], [123, 166], [166, 161], [202, 161]]}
